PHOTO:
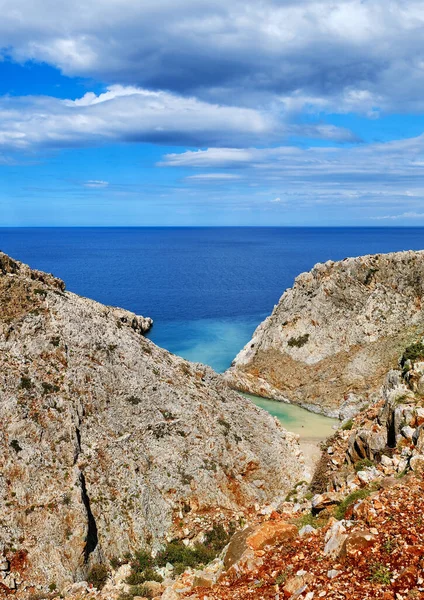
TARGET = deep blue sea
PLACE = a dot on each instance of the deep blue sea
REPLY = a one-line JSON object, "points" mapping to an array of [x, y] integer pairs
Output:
{"points": [[206, 288]]}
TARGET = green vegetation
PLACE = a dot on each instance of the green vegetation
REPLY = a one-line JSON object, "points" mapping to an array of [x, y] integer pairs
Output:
{"points": [[389, 545], [15, 445], [97, 576], [180, 556], [379, 573], [309, 519], [26, 383], [370, 275], [349, 501], [348, 425], [292, 495], [363, 464], [49, 388], [134, 400], [414, 352], [299, 341]]}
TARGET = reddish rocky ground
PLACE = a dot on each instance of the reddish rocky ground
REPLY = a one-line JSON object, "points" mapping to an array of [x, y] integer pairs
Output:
{"points": [[386, 560]]}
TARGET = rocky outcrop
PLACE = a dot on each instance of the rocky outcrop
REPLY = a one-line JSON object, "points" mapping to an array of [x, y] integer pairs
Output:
{"points": [[110, 444], [331, 339]]}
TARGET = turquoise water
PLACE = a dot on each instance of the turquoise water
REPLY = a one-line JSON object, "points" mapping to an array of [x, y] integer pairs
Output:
{"points": [[214, 342], [310, 426]]}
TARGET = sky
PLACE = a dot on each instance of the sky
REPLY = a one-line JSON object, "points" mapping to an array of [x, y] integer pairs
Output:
{"points": [[210, 112]]}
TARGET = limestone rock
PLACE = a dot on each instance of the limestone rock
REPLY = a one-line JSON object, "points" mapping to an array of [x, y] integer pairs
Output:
{"points": [[107, 441], [335, 334], [298, 584], [357, 541], [242, 554], [417, 463], [335, 539], [322, 501]]}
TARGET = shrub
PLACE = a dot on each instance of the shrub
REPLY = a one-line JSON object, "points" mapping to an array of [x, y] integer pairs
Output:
{"points": [[217, 538], [348, 425], [413, 353], [49, 388], [142, 591], [97, 576], [363, 464], [349, 500], [379, 573], [15, 445], [134, 400], [309, 519], [299, 341], [26, 383], [138, 577]]}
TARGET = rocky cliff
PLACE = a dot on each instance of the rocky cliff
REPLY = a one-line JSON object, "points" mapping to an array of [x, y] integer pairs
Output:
{"points": [[110, 444], [333, 336]]}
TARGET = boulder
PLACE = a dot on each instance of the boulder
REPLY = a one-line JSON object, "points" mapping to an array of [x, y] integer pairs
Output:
{"points": [[323, 501], [244, 553], [358, 541], [335, 538], [417, 464], [298, 584]]}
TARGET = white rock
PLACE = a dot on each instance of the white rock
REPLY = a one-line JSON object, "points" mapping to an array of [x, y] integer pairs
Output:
{"points": [[335, 538], [333, 573], [307, 530], [386, 461], [407, 432]]}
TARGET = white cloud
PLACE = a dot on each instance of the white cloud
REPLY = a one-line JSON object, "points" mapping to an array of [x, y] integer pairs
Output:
{"points": [[93, 183], [345, 55], [129, 115], [213, 177], [380, 176], [405, 215]]}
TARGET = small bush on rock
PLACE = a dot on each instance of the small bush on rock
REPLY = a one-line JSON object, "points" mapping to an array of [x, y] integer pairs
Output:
{"points": [[363, 464], [97, 576], [299, 341], [414, 352], [349, 500], [348, 425]]}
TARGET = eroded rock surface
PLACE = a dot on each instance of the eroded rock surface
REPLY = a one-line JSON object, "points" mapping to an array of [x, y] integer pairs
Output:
{"points": [[334, 335], [110, 444]]}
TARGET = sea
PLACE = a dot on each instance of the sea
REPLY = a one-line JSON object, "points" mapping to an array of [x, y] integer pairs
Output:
{"points": [[206, 288]]}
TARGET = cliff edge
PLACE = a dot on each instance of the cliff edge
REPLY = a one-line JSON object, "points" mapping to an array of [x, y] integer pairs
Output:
{"points": [[332, 337], [110, 444]]}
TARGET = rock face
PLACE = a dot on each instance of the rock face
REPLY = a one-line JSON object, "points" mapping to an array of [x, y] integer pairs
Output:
{"points": [[109, 443], [333, 336]]}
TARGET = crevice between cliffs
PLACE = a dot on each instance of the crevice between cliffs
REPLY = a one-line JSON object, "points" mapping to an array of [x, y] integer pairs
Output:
{"points": [[92, 539]]}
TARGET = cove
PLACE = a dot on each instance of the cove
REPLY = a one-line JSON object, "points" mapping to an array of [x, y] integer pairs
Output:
{"points": [[310, 426]]}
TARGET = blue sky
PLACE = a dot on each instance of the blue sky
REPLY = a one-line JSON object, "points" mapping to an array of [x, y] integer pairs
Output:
{"points": [[120, 112]]}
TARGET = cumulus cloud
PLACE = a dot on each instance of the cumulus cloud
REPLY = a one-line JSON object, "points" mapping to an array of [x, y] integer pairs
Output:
{"points": [[130, 114], [127, 114], [344, 55]]}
